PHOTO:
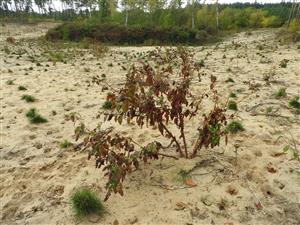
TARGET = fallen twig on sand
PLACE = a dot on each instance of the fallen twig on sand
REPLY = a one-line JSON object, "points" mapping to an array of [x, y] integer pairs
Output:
{"points": [[270, 114], [265, 103]]}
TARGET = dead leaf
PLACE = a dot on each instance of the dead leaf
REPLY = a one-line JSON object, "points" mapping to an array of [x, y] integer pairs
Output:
{"points": [[277, 154], [271, 169], [258, 206], [180, 206], [232, 190], [116, 222], [190, 182]]}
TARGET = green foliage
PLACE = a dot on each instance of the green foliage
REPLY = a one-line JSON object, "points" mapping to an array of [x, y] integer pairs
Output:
{"points": [[34, 117], [119, 34], [153, 13], [229, 80], [232, 105], [22, 88], [56, 56], [201, 63], [10, 82], [235, 127], [28, 98], [295, 103], [283, 63], [269, 109], [281, 93], [291, 33], [107, 105], [65, 144], [85, 202], [291, 146], [232, 95]]}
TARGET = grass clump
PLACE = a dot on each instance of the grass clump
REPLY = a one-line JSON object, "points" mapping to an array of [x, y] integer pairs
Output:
{"points": [[229, 80], [85, 202], [269, 109], [235, 126], [107, 105], [232, 105], [201, 63], [22, 88], [34, 117], [295, 103], [232, 95], [281, 93], [28, 98], [10, 82], [65, 144], [283, 63]]}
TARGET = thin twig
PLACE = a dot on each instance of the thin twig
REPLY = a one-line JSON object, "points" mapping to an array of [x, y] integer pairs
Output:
{"points": [[170, 156], [269, 114]]}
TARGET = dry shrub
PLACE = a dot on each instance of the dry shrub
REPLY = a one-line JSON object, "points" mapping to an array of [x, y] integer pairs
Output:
{"points": [[156, 93]]}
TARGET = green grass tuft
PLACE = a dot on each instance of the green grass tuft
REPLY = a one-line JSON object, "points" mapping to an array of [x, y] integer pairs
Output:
{"points": [[107, 105], [295, 103], [269, 109], [85, 202], [283, 63], [65, 144], [281, 93], [232, 95], [232, 105], [235, 126], [34, 117], [201, 63], [22, 88], [10, 82], [229, 80], [28, 98]]}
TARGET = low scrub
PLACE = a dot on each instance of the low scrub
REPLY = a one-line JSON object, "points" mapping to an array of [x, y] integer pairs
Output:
{"points": [[291, 33], [120, 34], [28, 98], [235, 127]]}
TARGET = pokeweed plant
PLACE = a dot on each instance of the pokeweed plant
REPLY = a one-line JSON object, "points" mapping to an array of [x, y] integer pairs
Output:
{"points": [[156, 93]]}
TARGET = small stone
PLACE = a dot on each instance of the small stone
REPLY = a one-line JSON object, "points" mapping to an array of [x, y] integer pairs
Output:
{"points": [[207, 200]]}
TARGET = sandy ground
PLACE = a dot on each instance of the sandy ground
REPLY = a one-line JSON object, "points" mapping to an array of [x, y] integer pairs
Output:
{"points": [[38, 178]]}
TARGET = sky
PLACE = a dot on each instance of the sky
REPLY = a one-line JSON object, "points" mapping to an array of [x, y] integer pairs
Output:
{"points": [[251, 1], [243, 1]]}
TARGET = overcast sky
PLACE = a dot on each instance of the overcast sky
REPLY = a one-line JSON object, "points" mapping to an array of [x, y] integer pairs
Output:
{"points": [[259, 1]]}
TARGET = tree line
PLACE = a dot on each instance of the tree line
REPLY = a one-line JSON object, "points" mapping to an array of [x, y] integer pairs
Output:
{"points": [[163, 13]]}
